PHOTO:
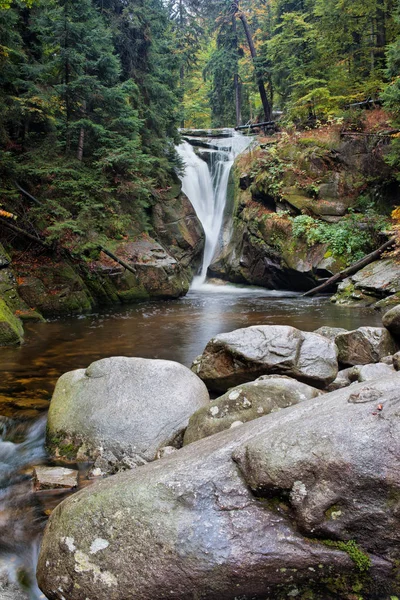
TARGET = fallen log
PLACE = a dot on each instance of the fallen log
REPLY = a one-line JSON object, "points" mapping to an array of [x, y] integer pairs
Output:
{"points": [[24, 233], [27, 194], [360, 264], [255, 125], [118, 260]]}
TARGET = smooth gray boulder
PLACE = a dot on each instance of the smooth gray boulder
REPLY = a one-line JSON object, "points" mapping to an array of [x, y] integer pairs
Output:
{"points": [[249, 401], [362, 373], [364, 346], [188, 526], [240, 356], [120, 411], [391, 320], [336, 459]]}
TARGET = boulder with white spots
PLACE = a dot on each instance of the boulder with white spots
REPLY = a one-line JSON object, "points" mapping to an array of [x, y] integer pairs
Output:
{"points": [[269, 393], [245, 514]]}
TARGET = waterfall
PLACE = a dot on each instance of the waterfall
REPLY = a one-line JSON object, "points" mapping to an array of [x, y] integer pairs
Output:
{"points": [[206, 187]]}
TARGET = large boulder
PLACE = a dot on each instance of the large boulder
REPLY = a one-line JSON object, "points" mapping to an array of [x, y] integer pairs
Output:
{"points": [[188, 526], [336, 460], [364, 346], [391, 320], [120, 411], [234, 358], [249, 401]]}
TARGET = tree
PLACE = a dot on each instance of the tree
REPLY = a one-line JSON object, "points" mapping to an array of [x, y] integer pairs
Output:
{"points": [[259, 77]]}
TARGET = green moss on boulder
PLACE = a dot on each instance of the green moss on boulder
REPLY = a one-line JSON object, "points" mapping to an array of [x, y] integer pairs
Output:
{"points": [[11, 330]]}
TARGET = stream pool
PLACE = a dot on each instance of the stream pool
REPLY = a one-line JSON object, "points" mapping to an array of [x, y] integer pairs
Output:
{"points": [[176, 330]]}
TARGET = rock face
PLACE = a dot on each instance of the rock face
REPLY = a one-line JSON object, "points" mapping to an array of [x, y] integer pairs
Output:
{"points": [[121, 411], [162, 268], [365, 345], [11, 330], [377, 283], [180, 230], [391, 320], [339, 471], [249, 401], [234, 358], [189, 526]]}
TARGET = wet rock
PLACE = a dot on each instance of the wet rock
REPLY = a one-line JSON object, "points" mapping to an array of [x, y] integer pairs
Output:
{"points": [[362, 373], [342, 380], [120, 411], [330, 332], [396, 361], [336, 460], [249, 401], [11, 330], [189, 527], [48, 478], [180, 230], [364, 345], [372, 284], [55, 288], [9, 588], [238, 357], [391, 320]]}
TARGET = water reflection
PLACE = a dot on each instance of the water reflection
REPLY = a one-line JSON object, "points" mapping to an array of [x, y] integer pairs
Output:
{"points": [[176, 330]]}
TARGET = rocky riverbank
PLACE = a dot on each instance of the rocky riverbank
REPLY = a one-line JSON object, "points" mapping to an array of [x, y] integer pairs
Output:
{"points": [[35, 283], [303, 206], [286, 485]]}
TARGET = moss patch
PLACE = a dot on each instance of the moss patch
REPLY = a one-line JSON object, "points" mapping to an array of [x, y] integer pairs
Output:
{"points": [[11, 330]]}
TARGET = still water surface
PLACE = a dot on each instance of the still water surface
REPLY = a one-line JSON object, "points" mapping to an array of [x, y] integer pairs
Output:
{"points": [[176, 330]]}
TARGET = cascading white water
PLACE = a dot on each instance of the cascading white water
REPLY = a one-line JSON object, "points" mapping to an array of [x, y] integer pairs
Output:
{"points": [[206, 187]]}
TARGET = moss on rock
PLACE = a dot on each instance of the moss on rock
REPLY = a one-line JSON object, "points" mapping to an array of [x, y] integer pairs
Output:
{"points": [[11, 330]]}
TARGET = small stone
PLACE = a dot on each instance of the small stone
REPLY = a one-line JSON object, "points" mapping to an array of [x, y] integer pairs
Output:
{"points": [[48, 478], [166, 451]]}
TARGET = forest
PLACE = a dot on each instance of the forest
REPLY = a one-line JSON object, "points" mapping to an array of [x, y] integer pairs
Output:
{"points": [[92, 94]]}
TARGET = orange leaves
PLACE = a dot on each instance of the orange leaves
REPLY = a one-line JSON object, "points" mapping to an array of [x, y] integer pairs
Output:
{"points": [[396, 215], [6, 214]]}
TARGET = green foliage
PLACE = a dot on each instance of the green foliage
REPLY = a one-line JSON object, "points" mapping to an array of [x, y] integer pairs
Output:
{"points": [[88, 114], [354, 236], [267, 173]]}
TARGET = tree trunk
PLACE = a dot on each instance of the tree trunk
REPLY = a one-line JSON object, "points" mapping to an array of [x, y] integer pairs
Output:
{"points": [[81, 142], [352, 269], [260, 80], [381, 16], [182, 69], [236, 81]]}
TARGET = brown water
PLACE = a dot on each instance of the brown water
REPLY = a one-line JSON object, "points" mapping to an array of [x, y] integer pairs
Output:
{"points": [[176, 330]]}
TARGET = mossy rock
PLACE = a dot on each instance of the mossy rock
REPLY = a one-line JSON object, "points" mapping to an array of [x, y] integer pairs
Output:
{"points": [[11, 330]]}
